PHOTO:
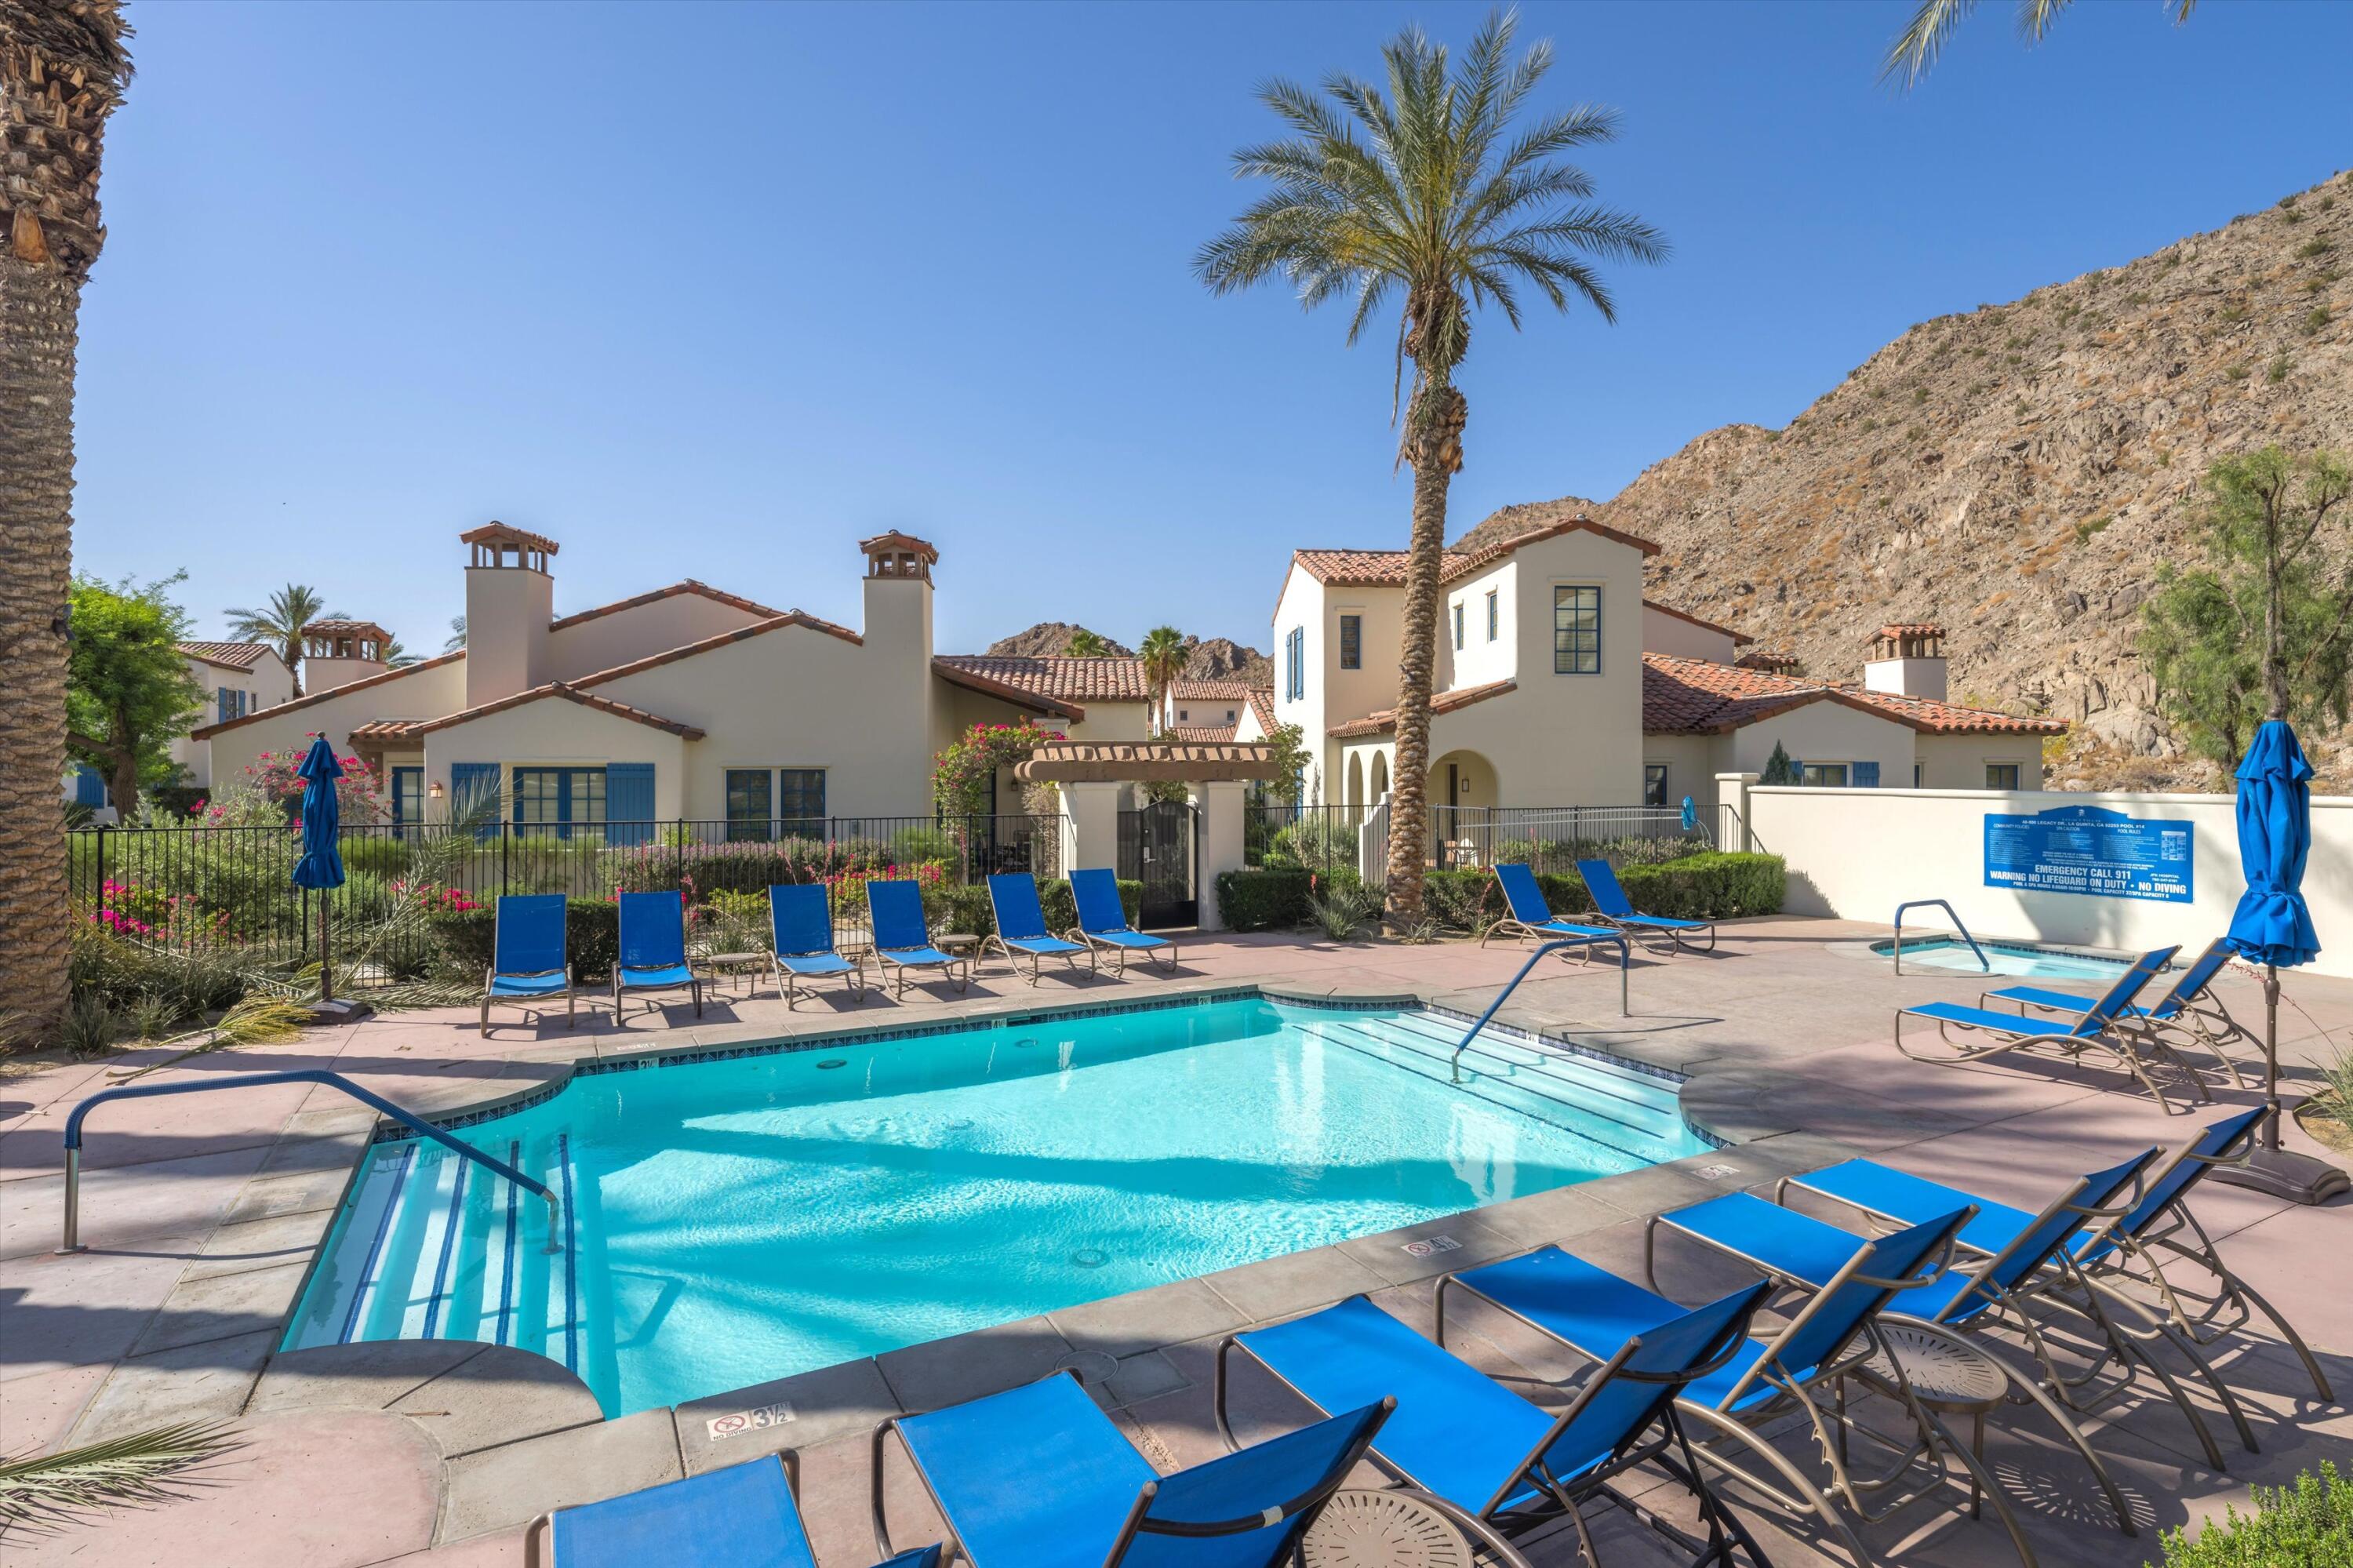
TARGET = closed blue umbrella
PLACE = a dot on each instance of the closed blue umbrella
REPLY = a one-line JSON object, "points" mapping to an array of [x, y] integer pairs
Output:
{"points": [[322, 865], [2272, 926]]}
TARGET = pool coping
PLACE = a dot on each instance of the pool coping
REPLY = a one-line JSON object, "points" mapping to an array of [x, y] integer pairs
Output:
{"points": [[1117, 1344]]}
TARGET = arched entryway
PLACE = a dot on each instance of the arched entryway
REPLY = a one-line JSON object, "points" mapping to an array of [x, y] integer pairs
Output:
{"points": [[1461, 797], [1355, 799]]}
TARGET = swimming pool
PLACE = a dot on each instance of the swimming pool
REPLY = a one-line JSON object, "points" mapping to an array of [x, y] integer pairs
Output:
{"points": [[2006, 959], [728, 1221]]}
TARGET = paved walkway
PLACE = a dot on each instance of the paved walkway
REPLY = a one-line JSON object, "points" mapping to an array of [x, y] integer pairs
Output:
{"points": [[201, 1214]]}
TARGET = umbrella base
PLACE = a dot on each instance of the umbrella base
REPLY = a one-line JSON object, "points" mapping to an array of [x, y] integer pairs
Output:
{"points": [[343, 1010], [2283, 1173]]}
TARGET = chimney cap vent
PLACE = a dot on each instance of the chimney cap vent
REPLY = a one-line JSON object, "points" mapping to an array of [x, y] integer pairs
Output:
{"points": [[897, 554]]}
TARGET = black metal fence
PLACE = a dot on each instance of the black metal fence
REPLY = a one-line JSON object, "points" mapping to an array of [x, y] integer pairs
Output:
{"points": [[228, 890], [1551, 838]]}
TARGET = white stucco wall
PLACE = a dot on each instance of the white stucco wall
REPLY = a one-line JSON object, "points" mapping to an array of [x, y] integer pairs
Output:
{"points": [[554, 733], [265, 683], [1693, 762], [608, 641], [1665, 633], [1828, 732], [1482, 659], [1857, 854], [1960, 761]]}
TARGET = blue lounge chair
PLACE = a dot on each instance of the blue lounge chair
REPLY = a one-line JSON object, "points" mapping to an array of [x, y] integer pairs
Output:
{"points": [[902, 942], [1490, 1460], [1102, 921], [1610, 901], [1021, 926], [1037, 1476], [2009, 1288], [1836, 1336], [1532, 916], [741, 1517], [653, 948], [2093, 1031], [528, 964], [2122, 1259], [2187, 1014], [800, 930]]}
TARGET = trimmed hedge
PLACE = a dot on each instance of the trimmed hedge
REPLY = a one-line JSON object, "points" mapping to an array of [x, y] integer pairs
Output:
{"points": [[1709, 886], [968, 909], [592, 934]]}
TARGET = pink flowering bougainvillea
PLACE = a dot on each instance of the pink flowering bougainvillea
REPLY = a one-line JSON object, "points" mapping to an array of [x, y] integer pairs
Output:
{"points": [[963, 770], [273, 777]]}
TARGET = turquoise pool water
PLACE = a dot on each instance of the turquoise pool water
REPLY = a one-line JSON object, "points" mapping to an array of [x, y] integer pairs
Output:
{"points": [[731, 1222], [2006, 959]]}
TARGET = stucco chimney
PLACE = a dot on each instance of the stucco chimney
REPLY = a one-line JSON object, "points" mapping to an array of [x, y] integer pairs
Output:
{"points": [[510, 600], [1907, 659], [337, 652]]}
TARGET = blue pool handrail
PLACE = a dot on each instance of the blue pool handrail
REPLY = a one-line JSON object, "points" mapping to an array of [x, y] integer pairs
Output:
{"points": [[1984, 963], [1454, 1063], [409, 1119]]}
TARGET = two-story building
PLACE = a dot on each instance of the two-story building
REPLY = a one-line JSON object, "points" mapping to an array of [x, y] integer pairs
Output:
{"points": [[686, 702]]}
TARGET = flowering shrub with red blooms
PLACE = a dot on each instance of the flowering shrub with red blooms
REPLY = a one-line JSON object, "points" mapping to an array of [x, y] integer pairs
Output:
{"points": [[434, 899], [961, 770], [272, 776], [128, 909], [845, 892]]}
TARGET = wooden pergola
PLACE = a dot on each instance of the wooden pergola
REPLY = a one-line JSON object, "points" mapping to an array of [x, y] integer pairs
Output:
{"points": [[1146, 762]]}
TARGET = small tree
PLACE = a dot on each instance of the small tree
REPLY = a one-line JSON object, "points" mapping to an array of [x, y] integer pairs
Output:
{"points": [[2266, 628], [129, 689], [1779, 768], [1289, 745], [964, 770]]}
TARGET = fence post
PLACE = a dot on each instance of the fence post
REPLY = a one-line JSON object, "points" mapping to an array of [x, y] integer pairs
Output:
{"points": [[682, 862], [1732, 801], [102, 872]]}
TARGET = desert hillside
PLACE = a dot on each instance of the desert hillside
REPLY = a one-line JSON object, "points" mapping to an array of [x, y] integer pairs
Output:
{"points": [[1206, 659], [2018, 473]]}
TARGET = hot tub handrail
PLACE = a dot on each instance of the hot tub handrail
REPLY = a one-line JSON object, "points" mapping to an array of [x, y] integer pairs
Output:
{"points": [[409, 1119], [1625, 954], [1984, 963]]}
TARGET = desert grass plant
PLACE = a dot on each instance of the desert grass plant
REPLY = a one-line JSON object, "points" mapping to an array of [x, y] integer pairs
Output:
{"points": [[255, 1020], [2308, 1524], [46, 1492], [90, 1028], [1343, 908]]}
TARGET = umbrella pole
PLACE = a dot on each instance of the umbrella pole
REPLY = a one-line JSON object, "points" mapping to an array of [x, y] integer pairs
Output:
{"points": [[2268, 1167], [326, 974]]}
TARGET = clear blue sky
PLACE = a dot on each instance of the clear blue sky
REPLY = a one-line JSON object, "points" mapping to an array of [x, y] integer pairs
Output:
{"points": [[709, 292]]}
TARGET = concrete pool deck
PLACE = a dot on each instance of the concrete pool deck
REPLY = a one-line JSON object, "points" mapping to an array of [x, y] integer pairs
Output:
{"points": [[201, 1214]]}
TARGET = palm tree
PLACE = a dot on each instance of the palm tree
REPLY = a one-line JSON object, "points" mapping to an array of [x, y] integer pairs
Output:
{"points": [[1085, 644], [1422, 189], [1916, 48], [63, 69], [280, 623], [457, 638], [1164, 654]]}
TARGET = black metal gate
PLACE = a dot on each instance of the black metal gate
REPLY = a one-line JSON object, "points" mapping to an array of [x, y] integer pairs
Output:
{"points": [[1155, 848]]}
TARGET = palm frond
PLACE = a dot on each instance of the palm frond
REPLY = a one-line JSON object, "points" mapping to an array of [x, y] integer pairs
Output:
{"points": [[1923, 39], [47, 1492]]}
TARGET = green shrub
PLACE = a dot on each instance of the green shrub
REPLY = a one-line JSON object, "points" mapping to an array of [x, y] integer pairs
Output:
{"points": [[1710, 886], [1317, 840], [383, 857], [968, 909], [2308, 1525], [592, 934], [1270, 898]]}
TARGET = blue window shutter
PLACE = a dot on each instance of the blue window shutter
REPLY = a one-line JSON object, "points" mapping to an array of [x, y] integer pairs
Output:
{"points": [[222, 713], [1864, 775], [90, 789], [629, 802], [473, 781]]}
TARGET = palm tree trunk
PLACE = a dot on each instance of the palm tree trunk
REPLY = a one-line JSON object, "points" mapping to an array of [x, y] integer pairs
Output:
{"points": [[38, 341], [1434, 446]]}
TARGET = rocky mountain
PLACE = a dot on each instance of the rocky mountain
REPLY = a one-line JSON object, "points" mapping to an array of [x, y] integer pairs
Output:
{"points": [[1047, 638], [1207, 658], [2018, 473]]}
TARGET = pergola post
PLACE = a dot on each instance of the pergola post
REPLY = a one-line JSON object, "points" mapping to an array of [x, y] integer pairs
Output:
{"points": [[1216, 841], [1090, 826]]}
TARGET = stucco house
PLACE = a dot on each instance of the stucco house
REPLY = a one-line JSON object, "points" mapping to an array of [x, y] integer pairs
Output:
{"points": [[238, 678], [1557, 681], [685, 702]]}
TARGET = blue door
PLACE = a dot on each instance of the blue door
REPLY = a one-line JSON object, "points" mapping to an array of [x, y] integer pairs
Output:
{"points": [[408, 800]]}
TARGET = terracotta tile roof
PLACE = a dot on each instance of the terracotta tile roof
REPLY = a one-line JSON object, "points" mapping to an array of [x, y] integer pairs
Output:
{"points": [[569, 694], [1444, 703], [228, 655], [1261, 702], [497, 533], [1683, 615], [701, 590], [704, 645], [1909, 629], [951, 668], [382, 678], [894, 540], [1203, 732], [342, 628], [1386, 568], [1114, 679], [1210, 691], [1694, 696]]}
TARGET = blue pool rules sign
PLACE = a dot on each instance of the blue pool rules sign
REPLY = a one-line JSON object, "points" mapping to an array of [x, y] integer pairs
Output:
{"points": [[2090, 850]]}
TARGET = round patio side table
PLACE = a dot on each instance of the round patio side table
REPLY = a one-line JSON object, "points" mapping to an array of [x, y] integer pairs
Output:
{"points": [[1365, 1527], [1946, 1377]]}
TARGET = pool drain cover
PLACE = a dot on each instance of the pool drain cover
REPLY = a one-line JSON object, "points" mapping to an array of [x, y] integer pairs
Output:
{"points": [[1025, 1043], [1092, 1366], [1091, 1257], [832, 1061]]}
